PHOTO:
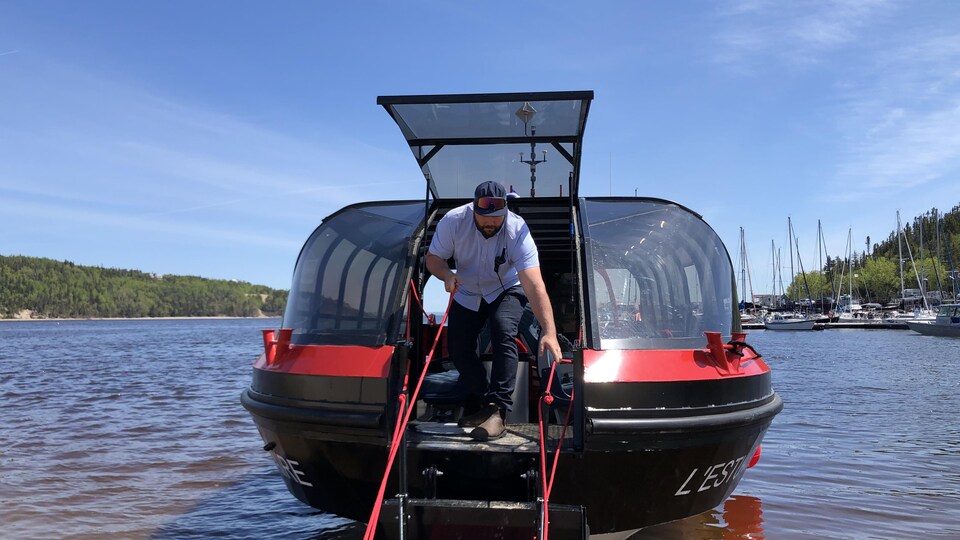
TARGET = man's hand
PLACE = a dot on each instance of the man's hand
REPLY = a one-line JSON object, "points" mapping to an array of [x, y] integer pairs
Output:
{"points": [[451, 283], [438, 267], [548, 343]]}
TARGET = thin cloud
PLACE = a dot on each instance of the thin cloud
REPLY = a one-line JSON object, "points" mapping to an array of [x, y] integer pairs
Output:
{"points": [[56, 213], [7, 53], [125, 147], [902, 113], [911, 152], [340, 197], [792, 33]]}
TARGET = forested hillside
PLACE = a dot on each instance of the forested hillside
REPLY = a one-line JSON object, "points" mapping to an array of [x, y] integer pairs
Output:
{"points": [[60, 289], [876, 276], [949, 235]]}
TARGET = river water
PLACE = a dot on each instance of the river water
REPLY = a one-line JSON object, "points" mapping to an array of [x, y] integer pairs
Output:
{"points": [[133, 429]]}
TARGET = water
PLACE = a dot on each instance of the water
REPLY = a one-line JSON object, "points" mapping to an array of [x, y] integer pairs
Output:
{"points": [[133, 429]]}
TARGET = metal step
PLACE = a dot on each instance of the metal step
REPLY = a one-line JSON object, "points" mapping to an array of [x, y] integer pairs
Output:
{"points": [[451, 519]]}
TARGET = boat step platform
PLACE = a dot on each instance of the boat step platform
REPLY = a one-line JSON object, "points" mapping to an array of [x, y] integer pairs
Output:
{"points": [[451, 519], [521, 438]]}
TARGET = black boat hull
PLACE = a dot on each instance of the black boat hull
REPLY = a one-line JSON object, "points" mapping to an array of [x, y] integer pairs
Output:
{"points": [[666, 470]]}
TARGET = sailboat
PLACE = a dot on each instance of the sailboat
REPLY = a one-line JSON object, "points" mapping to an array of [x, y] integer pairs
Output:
{"points": [[750, 313], [791, 320], [913, 302], [851, 309]]}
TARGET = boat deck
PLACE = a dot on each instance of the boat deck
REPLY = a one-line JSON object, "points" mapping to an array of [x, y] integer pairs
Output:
{"points": [[522, 438]]}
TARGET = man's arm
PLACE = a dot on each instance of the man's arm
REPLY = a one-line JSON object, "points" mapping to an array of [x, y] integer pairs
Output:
{"points": [[439, 268], [536, 291]]}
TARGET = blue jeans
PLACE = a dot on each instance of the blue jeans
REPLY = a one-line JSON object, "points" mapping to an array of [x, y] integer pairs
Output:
{"points": [[463, 333]]}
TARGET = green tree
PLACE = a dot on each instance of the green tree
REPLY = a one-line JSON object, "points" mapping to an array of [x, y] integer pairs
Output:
{"points": [[878, 279], [62, 289]]}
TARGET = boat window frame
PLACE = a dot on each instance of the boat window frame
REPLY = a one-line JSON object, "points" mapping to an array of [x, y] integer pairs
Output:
{"points": [[591, 317], [392, 295], [568, 143]]}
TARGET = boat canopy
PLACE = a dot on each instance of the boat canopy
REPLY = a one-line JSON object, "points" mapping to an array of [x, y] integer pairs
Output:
{"points": [[348, 280], [660, 278], [525, 141]]}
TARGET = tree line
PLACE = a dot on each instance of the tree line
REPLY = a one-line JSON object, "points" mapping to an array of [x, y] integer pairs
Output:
{"points": [[876, 275], [62, 289]]}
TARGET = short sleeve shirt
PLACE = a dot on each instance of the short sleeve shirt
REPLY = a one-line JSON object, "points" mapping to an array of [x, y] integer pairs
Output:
{"points": [[457, 236]]}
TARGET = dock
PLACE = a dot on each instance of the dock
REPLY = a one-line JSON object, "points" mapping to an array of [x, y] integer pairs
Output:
{"points": [[866, 325]]}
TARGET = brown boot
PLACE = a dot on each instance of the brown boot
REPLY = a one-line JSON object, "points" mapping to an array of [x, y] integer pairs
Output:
{"points": [[477, 418], [492, 428]]}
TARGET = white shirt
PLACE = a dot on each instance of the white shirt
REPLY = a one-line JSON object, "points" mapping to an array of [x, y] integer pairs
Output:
{"points": [[457, 236]]}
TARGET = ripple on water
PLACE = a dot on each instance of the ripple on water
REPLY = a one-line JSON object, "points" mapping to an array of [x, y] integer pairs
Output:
{"points": [[133, 429]]}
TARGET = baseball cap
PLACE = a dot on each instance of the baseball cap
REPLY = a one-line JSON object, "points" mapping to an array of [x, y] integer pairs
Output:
{"points": [[490, 199]]}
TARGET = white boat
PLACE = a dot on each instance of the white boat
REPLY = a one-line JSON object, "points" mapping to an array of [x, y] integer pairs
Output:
{"points": [[947, 322], [780, 321]]}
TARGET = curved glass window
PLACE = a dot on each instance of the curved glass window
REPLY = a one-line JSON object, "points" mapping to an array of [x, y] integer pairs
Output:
{"points": [[661, 277], [347, 282]]}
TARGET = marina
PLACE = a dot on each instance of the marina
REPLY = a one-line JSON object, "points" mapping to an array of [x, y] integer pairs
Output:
{"points": [[866, 325]]}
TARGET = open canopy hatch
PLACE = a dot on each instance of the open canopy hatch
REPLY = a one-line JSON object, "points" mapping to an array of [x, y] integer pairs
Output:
{"points": [[528, 141]]}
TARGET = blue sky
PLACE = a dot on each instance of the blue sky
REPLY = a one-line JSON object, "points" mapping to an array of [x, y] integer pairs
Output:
{"points": [[210, 138]]}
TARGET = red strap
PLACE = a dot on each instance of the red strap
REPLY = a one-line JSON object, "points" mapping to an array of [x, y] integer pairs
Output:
{"points": [[404, 413], [547, 484]]}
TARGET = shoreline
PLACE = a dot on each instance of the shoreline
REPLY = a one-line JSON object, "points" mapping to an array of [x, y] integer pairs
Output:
{"points": [[184, 318]]}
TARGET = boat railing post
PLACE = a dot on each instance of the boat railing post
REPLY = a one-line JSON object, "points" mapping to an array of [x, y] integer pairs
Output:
{"points": [[541, 519], [401, 518], [402, 496]]}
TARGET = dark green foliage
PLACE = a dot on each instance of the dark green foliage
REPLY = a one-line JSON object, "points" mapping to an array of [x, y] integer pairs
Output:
{"points": [[58, 289], [877, 276]]}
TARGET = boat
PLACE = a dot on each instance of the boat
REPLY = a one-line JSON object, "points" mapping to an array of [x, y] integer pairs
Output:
{"points": [[654, 413], [789, 321], [947, 322]]}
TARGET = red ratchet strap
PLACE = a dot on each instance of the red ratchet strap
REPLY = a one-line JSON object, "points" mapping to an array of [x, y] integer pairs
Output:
{"points": [[547, 485], [405, 410]]}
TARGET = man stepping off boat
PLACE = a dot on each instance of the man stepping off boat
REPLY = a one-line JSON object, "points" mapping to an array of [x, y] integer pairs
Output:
{"points": [[498, 272]]}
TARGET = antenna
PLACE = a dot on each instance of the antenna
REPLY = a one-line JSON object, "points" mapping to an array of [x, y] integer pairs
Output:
{"points": [[526, 113]]}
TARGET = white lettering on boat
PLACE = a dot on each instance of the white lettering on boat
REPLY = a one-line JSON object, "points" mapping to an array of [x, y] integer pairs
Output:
{"points": [[713, 476], [288, 468]]}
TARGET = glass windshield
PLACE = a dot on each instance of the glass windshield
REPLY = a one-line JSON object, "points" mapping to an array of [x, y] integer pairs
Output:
{"points": [[347, 281], [460, 141], [950, 310], [661, 276]]}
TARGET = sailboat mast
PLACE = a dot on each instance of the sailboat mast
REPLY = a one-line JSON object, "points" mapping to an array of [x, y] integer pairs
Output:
{"points": [[915, 274], [790, 243], [753, 299], [743, 274], [783, 291], [923, 266], [850, 258], [833, 282], [773, 259], [937, 261], [900, 254], [820, 267]]}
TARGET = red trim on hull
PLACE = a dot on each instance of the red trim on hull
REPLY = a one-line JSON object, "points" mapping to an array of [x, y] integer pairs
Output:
{"points": [[331, 360], [663, 366]]}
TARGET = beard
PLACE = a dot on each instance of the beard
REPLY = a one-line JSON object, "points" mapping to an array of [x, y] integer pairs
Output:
{"points": [[488, 231]]}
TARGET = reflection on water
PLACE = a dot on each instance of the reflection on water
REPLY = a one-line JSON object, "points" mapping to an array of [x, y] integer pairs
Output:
{"points": [[133, 429], [740, 516]]}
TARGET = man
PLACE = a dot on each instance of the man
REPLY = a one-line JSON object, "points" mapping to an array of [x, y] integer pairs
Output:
{"points": [[498, 272]]}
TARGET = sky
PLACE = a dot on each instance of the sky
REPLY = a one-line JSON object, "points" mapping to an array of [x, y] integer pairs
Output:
{"points": [[211, 138]]}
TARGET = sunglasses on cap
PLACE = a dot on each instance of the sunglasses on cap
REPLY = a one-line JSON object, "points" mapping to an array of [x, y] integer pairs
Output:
{"points": [[491, 203]]}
